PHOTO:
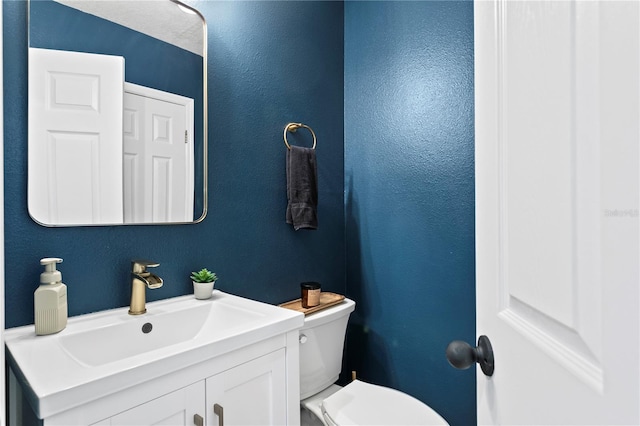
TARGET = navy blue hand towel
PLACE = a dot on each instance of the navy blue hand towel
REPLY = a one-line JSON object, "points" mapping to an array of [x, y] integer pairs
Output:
{"points": [[302, 188]]}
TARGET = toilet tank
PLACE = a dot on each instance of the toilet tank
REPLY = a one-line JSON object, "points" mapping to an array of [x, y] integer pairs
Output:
{"points": [[321, 345]]}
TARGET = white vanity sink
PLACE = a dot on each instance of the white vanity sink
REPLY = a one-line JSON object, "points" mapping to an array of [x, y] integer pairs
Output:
{"points": [[101, 354], [114, 336]]}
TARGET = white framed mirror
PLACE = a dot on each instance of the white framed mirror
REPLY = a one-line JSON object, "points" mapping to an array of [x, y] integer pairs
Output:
{"points": [[117, 112]]}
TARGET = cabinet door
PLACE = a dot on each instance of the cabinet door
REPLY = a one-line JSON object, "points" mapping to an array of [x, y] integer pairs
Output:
{"points": [[176, 408], [253, 393]]}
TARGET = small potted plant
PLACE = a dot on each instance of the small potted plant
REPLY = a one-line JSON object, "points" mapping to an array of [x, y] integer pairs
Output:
{"points": [[203, 282]]}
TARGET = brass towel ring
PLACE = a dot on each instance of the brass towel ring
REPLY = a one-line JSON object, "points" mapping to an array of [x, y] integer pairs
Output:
{"points": [[293, 127]]}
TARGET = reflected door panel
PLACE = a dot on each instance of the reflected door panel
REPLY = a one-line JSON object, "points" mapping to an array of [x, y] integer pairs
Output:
{"points": [[158, 156], [75, 102]]}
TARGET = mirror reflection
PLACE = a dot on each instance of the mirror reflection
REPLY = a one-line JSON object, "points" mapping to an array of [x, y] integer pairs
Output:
{"points": [[117, 103]]}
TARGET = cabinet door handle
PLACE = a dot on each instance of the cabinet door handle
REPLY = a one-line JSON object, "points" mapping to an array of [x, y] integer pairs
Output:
{"points": [[219, 411], [198, 420]]}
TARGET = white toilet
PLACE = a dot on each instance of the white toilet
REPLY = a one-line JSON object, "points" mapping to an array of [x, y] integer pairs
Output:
{"points": [[358, 403]]}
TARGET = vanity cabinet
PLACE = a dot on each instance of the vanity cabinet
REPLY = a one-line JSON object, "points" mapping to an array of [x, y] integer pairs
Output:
{"points": [[177, 408], [228, 360], [250, 394]]}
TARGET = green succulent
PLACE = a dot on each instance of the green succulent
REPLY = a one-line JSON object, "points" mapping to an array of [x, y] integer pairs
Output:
{"points": [[204, 276]]}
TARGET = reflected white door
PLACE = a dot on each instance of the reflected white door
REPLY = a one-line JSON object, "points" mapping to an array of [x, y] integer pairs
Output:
{"points": [[158, 156], [557, 131], [75, 126]]}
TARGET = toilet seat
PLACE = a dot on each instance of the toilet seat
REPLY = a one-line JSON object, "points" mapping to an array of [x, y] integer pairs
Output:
{"points": [[361, 403]]}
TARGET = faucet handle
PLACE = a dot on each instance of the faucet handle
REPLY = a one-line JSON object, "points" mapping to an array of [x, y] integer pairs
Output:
{"points": [[138, 266]]}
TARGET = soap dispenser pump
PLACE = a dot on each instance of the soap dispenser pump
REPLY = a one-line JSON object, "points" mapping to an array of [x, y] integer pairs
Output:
{"points": [[50, 299]]}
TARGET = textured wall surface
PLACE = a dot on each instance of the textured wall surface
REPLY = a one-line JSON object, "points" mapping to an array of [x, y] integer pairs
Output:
{"points": [[269, 63], [410, 197]]}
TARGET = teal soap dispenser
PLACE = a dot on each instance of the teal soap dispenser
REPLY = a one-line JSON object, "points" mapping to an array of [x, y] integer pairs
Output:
{"points": [[50, 299]]}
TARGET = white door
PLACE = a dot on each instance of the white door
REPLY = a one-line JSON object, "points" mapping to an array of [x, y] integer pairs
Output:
{"points": [[557, 184], [253, 393], [75, 129], [158, 156]]}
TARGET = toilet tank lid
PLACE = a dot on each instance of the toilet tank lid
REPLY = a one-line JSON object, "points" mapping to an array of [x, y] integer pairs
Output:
{"points": [[329, 314], [361, 403]]}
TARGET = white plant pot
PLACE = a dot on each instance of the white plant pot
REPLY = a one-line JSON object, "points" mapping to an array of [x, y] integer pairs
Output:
{"points": [[202, 290]]}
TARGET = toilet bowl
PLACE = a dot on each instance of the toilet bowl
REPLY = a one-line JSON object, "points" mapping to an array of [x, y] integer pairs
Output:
{"points": [[358, 403]]}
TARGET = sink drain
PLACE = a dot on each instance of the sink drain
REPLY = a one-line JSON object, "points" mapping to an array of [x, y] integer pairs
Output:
{"points": [[147, 327]]}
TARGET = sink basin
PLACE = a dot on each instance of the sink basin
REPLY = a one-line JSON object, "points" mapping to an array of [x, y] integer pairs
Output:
{"points": [[100, 354], [133, 336], [127, 335]]}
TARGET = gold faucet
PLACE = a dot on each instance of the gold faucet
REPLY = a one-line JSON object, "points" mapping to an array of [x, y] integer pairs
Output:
{"points": [[140, 279]]}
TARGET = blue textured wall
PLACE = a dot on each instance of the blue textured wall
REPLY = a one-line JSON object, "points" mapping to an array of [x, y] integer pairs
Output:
{"points": [[269, 63], [410, 197]]}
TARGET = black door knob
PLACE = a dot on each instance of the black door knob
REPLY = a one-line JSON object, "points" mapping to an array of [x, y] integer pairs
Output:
{"points": [[462, 355]]}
